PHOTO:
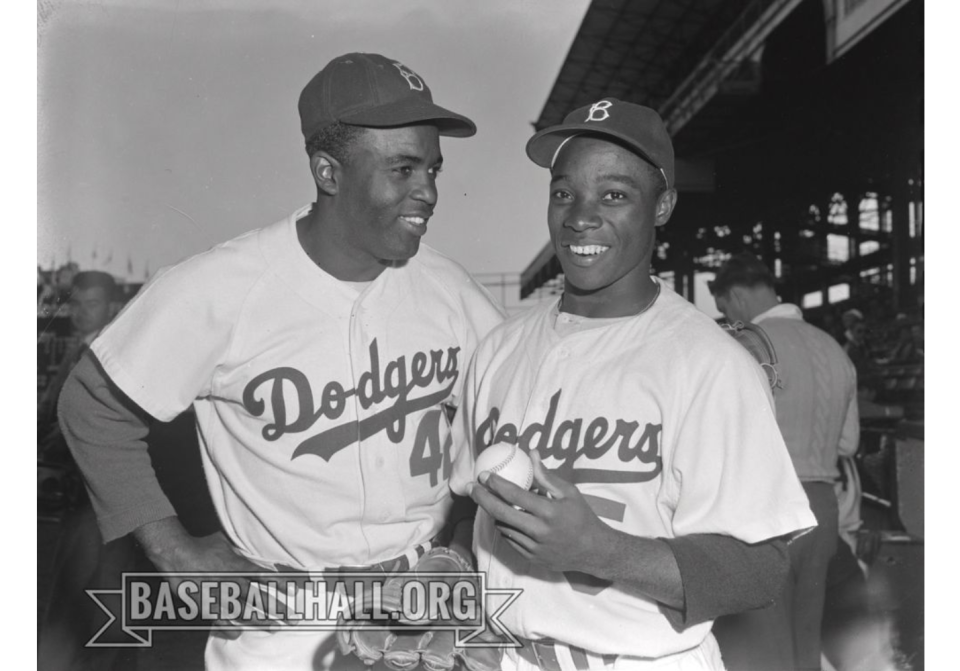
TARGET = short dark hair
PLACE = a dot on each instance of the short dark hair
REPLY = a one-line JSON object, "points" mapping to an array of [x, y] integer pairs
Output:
{"points": [[94, 279], [336, 139], [743, 269]]}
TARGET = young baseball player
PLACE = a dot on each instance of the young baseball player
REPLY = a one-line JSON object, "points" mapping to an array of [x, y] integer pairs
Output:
{"points": [[321, 355], [664, 487]]}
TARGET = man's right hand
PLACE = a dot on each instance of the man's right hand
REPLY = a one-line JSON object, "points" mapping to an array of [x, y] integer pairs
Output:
{"points": [[171, 549]]}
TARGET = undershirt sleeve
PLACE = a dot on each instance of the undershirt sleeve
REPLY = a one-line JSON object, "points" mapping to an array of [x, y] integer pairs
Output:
{"points": [[723, 575], [106, 433]]}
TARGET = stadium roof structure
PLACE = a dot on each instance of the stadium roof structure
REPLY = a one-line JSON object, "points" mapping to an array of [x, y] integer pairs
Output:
{"points": [[645, 51]]}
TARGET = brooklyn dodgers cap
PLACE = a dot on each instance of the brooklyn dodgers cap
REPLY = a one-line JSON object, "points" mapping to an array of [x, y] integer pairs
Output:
{"points": [[636, 126], [373, 91]]}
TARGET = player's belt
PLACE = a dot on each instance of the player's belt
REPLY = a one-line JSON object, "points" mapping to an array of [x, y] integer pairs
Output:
{"points": [[544, 653], [397, 564]]}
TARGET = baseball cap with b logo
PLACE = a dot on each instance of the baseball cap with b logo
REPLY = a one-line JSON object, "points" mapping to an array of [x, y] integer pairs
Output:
{"points": [[639, 128], [376, 92]]}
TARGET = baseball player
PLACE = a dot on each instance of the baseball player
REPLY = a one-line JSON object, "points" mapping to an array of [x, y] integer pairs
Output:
{"points": [[321, 355], [665, 489]]}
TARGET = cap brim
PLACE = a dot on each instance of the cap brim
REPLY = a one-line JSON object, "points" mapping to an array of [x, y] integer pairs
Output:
{"points": [[543, 145], [411, 111]]}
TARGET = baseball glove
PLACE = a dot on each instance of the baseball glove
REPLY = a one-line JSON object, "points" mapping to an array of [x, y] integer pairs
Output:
{"points": [[410, 643], [755, 340]]}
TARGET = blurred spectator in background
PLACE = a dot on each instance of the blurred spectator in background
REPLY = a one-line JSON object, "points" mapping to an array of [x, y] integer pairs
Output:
{"points": [[855, 341], [817, 414], [81, 560], [909, 345], [850, 319], [91, 303]]}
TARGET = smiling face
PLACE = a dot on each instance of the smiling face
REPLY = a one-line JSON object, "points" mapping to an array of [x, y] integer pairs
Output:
{"points": [[386, 192], [605, 202]]}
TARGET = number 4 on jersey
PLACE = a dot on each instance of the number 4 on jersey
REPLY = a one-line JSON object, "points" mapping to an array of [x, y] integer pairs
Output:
{"points": [[429, 456]]}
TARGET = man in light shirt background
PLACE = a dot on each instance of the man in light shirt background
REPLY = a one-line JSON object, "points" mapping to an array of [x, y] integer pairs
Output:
{"points": [[818, 416]]}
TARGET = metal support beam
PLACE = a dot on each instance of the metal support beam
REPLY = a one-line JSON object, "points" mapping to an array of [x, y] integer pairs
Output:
{"points": [[737, 45]]}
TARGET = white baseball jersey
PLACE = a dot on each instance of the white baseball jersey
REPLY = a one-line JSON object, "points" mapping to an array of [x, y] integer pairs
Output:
{"points": [[319, 403], [664, 423]]}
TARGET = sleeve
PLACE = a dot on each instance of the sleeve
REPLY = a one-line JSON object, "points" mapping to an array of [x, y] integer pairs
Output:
{"points": [[47, 406], [107, 435], [463, 431], [723, 575], [850, 433], [162, 349], [730, 470], [481, 313]]}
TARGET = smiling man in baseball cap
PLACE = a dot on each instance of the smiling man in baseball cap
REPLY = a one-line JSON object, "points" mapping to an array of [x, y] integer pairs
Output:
{"points": [[652, 432], [372, 133], [286, 341], [611, 247]]}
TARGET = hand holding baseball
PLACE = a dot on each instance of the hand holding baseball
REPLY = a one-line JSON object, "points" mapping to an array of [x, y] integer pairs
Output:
{"points": [[559, 530], [507, 461]]}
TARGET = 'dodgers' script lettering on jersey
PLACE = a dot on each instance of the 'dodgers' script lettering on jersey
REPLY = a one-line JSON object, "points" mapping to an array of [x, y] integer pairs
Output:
{"points": [[395, 382], [571, 440]]}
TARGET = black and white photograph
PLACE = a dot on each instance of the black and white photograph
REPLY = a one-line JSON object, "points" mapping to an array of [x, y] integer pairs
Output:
{"points": [[514, 335]]}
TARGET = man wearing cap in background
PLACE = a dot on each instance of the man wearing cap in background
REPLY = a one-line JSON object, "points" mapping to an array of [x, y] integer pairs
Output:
{"points": [[321, 354], [664, 489], [816, 407]]}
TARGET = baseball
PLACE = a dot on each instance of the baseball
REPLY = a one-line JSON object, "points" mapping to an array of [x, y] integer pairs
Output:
{"points": [[508, 461]]}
